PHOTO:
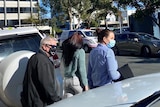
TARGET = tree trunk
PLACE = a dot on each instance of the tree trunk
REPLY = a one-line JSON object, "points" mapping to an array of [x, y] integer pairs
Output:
{"points": [[70, 18], [78, 25]]}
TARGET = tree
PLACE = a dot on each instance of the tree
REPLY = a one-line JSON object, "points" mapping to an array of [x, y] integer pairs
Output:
{"points": [[63, 9], [143, 7], [37, 18], [82, 9]]}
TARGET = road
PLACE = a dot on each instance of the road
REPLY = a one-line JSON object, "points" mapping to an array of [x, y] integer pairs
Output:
{"points": [[139, 65]]}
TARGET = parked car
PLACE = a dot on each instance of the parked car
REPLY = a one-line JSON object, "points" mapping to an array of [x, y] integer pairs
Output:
{"points": [[89, 39], [137, 43], [140, 91], [16, 47], [123, 29]]}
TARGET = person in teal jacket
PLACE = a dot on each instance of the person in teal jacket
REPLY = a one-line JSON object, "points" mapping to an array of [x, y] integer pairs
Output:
{"points": [[75, 75]]}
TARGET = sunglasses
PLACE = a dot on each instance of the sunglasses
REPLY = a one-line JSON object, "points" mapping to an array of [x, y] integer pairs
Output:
{"points": [[52, 46]]}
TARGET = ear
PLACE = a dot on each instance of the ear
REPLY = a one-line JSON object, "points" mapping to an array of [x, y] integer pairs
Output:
{"points": [[44, 47], [104, 39]]}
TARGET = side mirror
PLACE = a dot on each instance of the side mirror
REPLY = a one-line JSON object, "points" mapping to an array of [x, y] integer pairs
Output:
{"points": [[136, 39]]}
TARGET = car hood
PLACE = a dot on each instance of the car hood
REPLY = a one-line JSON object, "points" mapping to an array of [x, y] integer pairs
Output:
{"points": [[119, 94]]}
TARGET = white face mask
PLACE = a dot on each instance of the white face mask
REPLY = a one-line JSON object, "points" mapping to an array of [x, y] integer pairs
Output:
{"points": [[111, 43]]}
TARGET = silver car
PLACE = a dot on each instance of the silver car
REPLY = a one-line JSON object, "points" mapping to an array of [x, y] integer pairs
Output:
{"points": [[140, 91]]}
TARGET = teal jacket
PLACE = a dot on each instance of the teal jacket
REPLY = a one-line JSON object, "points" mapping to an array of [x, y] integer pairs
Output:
{"points": [[77, 65]]}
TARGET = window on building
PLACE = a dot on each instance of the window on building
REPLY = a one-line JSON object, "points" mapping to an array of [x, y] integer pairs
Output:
{"points": [[25, 0], [12, 10], [25, 9], [25, 22], [1, 23], [11, 0], [1, 9], [35, 10], [29, 0], [12, 22]]}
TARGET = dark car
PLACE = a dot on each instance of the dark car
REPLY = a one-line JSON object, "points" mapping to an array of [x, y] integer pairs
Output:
{"points": [[137, 43]]}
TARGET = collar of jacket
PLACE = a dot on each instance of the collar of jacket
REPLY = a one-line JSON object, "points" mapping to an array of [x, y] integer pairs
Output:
{"points": [[43, 52]]}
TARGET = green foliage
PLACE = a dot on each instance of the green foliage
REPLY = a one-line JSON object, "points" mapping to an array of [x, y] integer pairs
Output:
{"points": [[94, 23], [32, 20], [62, 9], [144, 7]]}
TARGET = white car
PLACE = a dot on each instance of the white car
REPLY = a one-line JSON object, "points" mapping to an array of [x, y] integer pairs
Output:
{"points": [[16, 47], [89, 38], [140, 91]]}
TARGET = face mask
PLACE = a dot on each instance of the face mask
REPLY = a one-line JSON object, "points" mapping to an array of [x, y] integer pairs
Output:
{"points": [[111, 43], [52, 51]]}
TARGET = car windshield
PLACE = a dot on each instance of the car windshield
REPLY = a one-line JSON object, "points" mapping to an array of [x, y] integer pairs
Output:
{"points": [[151, 101], [25, 42], [148, 37], [89, 33]]}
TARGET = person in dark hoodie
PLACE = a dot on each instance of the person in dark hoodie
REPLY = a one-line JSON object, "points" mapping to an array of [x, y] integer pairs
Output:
{"points": [[39, 84]]}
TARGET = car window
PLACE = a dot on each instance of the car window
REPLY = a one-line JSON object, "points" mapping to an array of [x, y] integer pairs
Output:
{"points": [[148, 37], [24, 42], [122, 37], [155, 103], [132, 36], [70, 33], [89, 33]]}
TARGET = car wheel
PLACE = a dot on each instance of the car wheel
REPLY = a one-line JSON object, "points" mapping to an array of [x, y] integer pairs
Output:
{"points": [[86, 48], [145, 52]]}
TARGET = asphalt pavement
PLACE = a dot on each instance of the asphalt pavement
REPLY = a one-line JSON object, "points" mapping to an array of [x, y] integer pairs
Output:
{"points": [[138, 65]]}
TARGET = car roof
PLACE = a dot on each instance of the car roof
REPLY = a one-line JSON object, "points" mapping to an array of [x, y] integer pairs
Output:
{"points": [[119, 94], [80, 30], [18, 31], [133, 33]]}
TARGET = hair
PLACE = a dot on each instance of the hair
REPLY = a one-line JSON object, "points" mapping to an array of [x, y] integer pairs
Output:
{"points": [[103, 33], [69, 46], [46, 40], [97, 31]]}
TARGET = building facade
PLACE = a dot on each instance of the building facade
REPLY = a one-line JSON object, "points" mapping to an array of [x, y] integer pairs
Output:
{"points": [[14, 12]]}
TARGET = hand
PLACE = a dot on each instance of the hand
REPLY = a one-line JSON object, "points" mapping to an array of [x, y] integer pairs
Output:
{"points": [[86, 88]]}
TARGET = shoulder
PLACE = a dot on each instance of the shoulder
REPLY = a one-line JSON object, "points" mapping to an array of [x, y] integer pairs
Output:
{"points": [[99, 49], [39, 57], [110, 52]]}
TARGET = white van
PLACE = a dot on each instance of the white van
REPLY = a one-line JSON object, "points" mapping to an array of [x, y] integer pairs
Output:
{"points": [[89, 38], [17, 45]]}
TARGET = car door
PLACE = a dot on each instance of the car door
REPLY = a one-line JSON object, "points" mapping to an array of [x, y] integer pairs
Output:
{"points": [[121, 43], [134, 43]]}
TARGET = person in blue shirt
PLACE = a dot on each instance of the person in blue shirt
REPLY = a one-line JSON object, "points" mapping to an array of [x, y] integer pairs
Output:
{"points": [[102, 65]]}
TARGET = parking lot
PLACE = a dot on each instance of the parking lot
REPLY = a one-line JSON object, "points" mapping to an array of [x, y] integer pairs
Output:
{"points": [[139, 65]]}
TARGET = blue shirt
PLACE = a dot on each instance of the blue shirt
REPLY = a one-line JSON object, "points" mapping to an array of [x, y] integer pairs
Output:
{"points": [[102, 66]]}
